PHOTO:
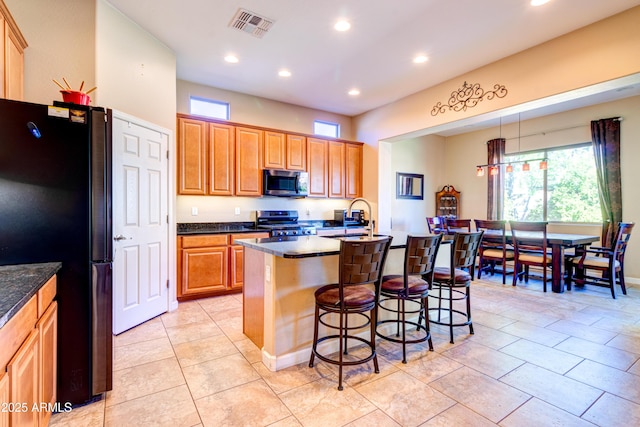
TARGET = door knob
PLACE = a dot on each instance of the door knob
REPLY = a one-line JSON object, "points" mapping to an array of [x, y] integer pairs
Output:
{"points": [[119, 237]]}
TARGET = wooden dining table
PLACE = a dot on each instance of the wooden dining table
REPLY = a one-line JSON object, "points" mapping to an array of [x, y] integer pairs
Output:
{"points": [[557, 242]]}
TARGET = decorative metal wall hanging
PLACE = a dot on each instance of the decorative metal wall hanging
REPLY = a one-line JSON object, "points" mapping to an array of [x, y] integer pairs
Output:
{"points": [[469, 95]]}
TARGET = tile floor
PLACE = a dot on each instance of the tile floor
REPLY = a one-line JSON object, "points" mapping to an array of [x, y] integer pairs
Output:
{"points": [[538, 359]]}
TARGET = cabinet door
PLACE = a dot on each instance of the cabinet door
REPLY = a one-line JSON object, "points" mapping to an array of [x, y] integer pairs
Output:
{"points": [[23, 377], [317, 162], [237, 255], [2, 91], [4, 397], [353, 171], [248, 162], [274, 150], [204, 270], [192, 152], [296, 152], [336, 169], [221, 159], [47, 328], [14, 66]]}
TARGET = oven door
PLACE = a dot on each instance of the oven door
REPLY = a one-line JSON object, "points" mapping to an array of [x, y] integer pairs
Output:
{"points": [[285, 183]]}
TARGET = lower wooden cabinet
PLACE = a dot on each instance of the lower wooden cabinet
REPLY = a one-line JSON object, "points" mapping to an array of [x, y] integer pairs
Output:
{"points": [[24, 375], [210, 264], [4, 397], [48, 333]]}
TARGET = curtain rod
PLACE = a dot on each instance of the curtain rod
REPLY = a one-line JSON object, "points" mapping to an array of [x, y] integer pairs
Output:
{"points": [[556, 130]]}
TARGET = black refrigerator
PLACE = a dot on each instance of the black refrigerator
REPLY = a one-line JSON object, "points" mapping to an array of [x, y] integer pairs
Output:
{"points": [[55, 205]]}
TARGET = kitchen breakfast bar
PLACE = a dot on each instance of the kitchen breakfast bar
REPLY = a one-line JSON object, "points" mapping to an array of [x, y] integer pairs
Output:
{"points": [[281, 275]]}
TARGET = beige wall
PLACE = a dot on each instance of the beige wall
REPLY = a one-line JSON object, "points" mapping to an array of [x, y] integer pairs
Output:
{"points": [[61, 40]]}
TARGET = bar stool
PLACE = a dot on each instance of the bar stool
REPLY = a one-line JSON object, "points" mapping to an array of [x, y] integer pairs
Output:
{"points": [[458, 275], [412, 286], [361, 263]]}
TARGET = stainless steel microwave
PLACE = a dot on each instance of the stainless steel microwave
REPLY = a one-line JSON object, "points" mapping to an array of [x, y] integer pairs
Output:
{"points": [[285, 183]]}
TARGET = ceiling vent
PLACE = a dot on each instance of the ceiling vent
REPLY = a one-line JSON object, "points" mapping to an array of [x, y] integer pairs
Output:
{"points": [[251, 23]]}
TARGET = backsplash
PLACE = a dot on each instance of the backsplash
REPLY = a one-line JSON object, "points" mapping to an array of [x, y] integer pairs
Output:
{"points": [[240, 209]]}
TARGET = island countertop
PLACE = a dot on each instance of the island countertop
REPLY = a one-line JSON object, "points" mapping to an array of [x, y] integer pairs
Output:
{"points": [[18, 283], [313, 246]]}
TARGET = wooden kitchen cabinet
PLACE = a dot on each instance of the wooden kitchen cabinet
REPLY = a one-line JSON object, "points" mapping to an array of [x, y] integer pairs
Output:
{"points": [[248, 161], [274, 150], [192, 155], [221, 155], [353, 171], [296, 152], [12, 48], [318, 165], [47, 330], [211, 264], [336, 169], [23, 377], [4, 397]]}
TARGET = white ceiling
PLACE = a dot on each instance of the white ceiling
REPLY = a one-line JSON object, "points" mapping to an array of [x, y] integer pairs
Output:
{"points": [[375, 55]]}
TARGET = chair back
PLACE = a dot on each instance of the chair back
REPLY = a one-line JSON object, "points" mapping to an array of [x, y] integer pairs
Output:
{"points": [[494, 233], [458, 225], [362, 261], [464, 251], [420, 256], [529, 236], [436, 224], [619, 245]]}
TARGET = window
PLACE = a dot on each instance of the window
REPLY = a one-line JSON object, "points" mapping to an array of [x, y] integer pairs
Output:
{"points": [[326, 129], [209, 108], [566, 192]]}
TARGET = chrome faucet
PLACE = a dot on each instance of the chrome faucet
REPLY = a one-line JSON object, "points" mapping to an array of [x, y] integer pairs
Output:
{"points": [[360, 199]]}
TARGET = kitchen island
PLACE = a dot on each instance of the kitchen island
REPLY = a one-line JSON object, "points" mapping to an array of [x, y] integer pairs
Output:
{"points": [[280, 278]]}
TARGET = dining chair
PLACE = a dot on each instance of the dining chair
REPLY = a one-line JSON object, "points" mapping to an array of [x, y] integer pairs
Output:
{"points": [[360, 264], [453, 283], [494, 249], [436, 225], [409, 291], [458, 225], [530, 249], [607, 262]]}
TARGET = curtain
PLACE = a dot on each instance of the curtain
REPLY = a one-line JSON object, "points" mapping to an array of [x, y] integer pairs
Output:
{"points": [[605, 136], [495, 155]]}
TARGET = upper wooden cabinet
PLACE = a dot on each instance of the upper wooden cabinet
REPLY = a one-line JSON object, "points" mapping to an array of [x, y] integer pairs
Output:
{"points": [[296, 153], [12, 48], [353, 171], [336, 169], [248, 161], [318, 164], [274, 152], [192, 152], [221, 157]]}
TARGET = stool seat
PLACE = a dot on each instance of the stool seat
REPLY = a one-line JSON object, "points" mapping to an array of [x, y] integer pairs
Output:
{"points": [[443, 274], [395, 283], [353, 296]]}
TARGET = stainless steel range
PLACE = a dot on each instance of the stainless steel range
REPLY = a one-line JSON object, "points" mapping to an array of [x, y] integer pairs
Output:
{"points": [[282, 223]]}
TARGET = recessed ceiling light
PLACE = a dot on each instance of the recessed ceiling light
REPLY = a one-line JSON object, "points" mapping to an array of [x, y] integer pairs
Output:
{"points": [[420, 59], [354, 92], [342, 26], [538, 2], [231, 58], [284, 73]]}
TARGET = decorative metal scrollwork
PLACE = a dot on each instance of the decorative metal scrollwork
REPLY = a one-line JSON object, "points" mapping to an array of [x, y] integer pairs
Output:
{"points": [[468, 96]]}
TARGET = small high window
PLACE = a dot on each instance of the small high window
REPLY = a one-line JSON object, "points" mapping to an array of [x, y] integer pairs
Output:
{"points": [[209, 108], [326, 129]]}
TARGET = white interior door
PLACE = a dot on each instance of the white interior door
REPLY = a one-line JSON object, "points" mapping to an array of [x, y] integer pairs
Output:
{"points": [[140, 222]]}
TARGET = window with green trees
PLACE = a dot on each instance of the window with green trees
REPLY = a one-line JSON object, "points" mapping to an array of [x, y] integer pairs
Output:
{"points": [[567, 191]]}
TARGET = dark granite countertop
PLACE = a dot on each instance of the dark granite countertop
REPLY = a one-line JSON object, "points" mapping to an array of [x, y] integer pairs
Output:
{"points": [[188, 228], [313, 246], [18, 283]]}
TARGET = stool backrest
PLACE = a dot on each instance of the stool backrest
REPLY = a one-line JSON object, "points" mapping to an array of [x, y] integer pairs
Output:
{"points": [[464, 251], [420, 256], [362, 261]]}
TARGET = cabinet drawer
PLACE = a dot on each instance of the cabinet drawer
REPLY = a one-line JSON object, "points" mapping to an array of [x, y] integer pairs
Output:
{"points": [[234, 237], [205, 241], [45, 295]]}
